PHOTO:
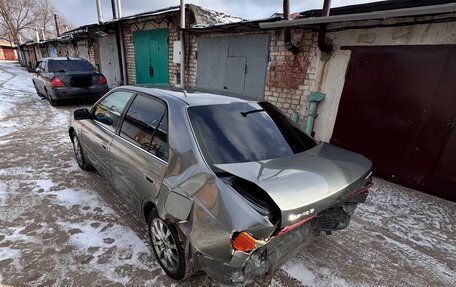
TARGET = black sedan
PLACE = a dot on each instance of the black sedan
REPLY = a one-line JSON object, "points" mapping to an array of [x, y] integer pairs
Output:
{"points": [[59, 79]]}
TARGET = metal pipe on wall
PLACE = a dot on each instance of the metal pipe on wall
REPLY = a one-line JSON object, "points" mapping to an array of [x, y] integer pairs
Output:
{"points": [[119, 9], [182, 56], [286, 31], [56, 25], [119, 40], [114, 11], [37, 34], [323, 44], [122, 54], [99, 12]]}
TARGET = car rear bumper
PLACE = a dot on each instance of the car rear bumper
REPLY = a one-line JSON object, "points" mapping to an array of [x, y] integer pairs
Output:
{"points": [[66, 93], [270, 257], [280, 248]]}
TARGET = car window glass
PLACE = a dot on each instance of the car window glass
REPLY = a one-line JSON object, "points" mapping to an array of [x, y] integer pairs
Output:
{"points": [[108, 112], [140, 125], [66, 66], [244, 132]]}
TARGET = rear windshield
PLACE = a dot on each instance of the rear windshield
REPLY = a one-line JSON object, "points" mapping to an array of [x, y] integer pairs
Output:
{"points": [[243, 132], [65, 66]]}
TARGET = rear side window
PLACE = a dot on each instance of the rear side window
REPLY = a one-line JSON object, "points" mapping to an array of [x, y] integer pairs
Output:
{"points": [[108, 112], [146, 125], [66, 66]]}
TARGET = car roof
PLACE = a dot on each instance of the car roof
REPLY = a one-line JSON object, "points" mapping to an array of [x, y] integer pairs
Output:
{"points": [[62, 58], [190, 97]]}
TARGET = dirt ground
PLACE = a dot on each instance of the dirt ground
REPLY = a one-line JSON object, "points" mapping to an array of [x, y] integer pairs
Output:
{"points": [[61, 226]]}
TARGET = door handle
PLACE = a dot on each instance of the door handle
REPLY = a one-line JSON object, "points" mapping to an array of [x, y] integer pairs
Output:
{"points": [[103, 146], [449, 126], [151, 180]]}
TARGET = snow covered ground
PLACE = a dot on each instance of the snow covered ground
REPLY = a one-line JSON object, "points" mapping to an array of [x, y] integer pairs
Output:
{"points": [[62, 226]]}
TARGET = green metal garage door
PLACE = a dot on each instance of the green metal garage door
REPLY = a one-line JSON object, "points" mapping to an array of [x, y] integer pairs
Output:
{"points": [[151, 56]]}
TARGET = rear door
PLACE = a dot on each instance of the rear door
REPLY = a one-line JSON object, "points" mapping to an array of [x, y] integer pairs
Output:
{"points": [[139, 154], [97, 134]]}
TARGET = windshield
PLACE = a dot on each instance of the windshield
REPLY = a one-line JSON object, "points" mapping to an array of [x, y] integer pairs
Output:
{"points": [[243, 132], [66, 66]]}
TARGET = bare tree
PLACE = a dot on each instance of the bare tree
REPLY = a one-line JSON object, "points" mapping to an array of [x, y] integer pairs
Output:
{"points": [[17, 16], [21, 18]]}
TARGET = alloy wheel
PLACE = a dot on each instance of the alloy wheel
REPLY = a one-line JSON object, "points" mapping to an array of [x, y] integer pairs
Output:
{"points": [[164, 244]]}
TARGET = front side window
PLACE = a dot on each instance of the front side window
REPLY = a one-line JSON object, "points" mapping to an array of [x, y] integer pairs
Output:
{"points": [[146, 125], [244, 132], [108, 112]]}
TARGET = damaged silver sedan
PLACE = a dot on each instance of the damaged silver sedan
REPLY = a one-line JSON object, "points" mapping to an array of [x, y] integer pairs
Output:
{"points": [[226, 186]]}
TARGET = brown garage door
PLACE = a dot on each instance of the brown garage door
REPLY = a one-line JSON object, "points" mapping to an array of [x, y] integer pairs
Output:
{"points": [[398, 108], [9, 53]]}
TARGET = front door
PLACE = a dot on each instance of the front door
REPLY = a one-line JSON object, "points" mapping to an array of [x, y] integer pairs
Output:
{"points": [[98, 132], [151, 56], [398, 108]]}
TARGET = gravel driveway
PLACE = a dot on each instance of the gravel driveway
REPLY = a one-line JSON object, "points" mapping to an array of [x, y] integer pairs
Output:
{"points": [[61, 226]]}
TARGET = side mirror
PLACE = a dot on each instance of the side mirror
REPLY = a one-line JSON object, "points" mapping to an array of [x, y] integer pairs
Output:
{"points": [[82, 114]]}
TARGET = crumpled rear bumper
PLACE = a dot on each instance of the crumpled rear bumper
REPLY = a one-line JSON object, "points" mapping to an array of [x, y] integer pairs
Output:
{"points": [[264, 260], [278, 250]]}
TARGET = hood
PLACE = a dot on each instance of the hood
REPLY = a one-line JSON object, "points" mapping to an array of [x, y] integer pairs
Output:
{"points": [[306, 183]]}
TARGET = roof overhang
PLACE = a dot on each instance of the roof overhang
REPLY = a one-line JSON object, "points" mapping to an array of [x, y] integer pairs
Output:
{"points": [[405, 12]]}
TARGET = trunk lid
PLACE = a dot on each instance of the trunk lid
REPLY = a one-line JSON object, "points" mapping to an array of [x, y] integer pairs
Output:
{"points": [[79, 79], [306, 183]]}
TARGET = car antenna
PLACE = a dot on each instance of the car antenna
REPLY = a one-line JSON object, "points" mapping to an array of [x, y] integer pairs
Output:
{"points": [[185, 92]]}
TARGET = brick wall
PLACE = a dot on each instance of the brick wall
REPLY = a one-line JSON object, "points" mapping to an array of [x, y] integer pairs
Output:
{"points": [[129, 55], [289, 78], [173, 35]]}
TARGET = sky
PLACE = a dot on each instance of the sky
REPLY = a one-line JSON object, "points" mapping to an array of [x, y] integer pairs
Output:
{"points": [[81, 12]]}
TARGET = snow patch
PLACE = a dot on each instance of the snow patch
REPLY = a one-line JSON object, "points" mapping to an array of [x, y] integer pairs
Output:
{"points": [[321, 276]]}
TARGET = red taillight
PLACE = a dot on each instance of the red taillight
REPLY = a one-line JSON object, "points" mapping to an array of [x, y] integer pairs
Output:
{"points": [[102, 80], [57, 82], [244, 242]]}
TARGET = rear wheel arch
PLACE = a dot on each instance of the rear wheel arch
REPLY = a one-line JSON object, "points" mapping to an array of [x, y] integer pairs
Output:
{"points": [[148, 207]]}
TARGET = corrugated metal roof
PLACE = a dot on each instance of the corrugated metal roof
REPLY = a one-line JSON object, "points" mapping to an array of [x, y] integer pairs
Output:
{"points": [[375, 6]]}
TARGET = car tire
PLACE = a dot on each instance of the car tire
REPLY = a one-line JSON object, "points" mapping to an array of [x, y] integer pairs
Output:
{"points": [[79, 154], [168, 248], [37, 91], [51, 101]]}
